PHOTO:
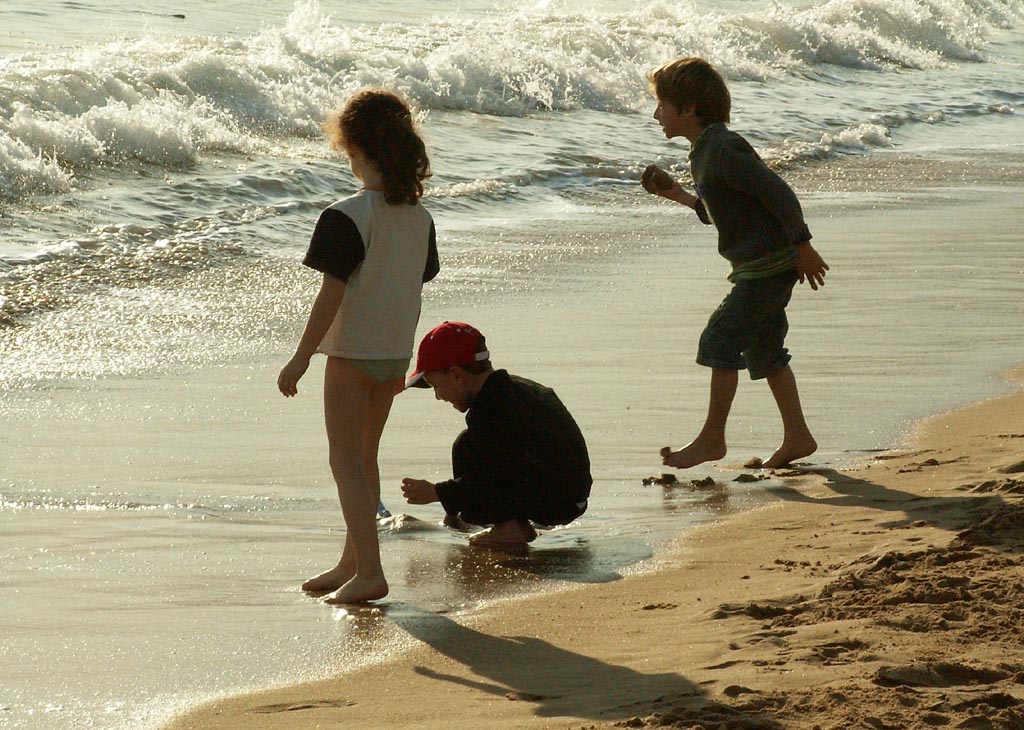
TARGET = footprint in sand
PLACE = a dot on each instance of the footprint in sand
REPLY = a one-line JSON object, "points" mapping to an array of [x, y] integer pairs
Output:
{"points": [[937, 674], [289, 707], [1004, 526], [1014, 468], [658, 606]]}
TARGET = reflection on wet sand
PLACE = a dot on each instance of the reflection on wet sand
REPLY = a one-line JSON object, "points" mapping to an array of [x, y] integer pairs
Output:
{"points": [[451, 577], [457, 575], [696, 496]]}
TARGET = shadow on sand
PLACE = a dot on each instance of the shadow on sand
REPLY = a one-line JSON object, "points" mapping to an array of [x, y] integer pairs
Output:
{"points": [[557, 681], [948, 513]]}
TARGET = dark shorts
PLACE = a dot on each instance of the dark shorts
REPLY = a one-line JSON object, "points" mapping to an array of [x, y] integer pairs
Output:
{"points": [[748, 330]]}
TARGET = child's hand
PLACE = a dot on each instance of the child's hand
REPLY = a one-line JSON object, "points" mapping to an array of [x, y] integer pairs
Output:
{"points": [[656, 181], [810, 265], [418, 491], [289, 376]]}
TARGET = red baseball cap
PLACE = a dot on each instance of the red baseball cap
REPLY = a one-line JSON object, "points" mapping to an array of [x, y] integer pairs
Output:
{"points": [[446, 346]]}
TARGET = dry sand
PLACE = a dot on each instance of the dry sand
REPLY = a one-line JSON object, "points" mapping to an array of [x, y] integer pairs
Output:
{"points": [[886, 596]]}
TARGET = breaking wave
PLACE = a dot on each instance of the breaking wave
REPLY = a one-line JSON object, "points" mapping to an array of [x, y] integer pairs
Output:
{"points": [[170, 102]]}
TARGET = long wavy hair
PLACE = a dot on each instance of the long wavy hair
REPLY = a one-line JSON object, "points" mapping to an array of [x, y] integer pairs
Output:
{"points": [[380, 125]]}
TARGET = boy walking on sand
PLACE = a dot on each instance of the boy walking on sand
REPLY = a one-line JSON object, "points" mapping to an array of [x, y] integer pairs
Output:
{"points": [[761, 231]]}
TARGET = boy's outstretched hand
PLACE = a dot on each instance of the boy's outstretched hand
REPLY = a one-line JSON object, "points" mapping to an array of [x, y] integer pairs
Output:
{"points": [[418, 491], [810, 265]]}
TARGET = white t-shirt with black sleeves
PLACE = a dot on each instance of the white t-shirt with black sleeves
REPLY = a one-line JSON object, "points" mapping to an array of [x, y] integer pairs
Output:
{"points": [[384, 253]]}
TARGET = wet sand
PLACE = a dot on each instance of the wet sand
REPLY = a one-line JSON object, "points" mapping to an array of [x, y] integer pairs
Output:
{"points": [[881, 595], [886, 595], [164, 520]]}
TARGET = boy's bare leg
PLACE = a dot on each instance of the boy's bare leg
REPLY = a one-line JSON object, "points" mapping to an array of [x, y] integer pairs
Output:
{"points": [[354, 406], [797, 441], [710, 442], [512, 532]]}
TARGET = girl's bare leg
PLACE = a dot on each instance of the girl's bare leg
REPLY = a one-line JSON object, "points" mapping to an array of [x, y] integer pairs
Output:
{"points": [[355, 409], [381, 397], [336, 577]]}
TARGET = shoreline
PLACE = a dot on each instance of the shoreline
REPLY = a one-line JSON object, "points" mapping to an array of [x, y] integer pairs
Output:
{"points": [[858, 593], [197, 494]]}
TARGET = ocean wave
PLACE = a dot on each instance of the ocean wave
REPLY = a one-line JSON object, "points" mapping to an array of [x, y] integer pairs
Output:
{"points": [[565, 172], [25, 171], [876, 34], [536, 59], [850, 140], [170, 102]]}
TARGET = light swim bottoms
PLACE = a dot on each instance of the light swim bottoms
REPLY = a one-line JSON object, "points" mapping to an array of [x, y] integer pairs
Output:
{"points": [[382, 371]]}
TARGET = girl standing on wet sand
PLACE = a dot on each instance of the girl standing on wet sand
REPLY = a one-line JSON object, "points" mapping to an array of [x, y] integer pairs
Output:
{"points": [[375, 250]]}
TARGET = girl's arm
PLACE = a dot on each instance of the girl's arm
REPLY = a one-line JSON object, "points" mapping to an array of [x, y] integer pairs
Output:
{"points": [[325, 308]]}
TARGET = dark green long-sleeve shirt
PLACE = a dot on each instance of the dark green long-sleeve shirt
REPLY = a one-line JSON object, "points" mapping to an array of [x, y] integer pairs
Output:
{"points": [[756, 213]]}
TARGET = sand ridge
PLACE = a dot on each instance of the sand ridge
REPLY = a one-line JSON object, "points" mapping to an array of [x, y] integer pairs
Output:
{"points": [[923, 629]]}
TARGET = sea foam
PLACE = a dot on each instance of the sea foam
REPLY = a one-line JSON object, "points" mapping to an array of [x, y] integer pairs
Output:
{"points": [[170, 102]]}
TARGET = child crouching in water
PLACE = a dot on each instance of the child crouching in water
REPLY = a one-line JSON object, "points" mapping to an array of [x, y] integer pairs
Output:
{"points": [[375, 250], [761, 231]]}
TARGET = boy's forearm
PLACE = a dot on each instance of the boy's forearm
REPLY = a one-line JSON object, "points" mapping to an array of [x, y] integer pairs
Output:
{"points": [[325, 308], [691, 201], [679, 195]]}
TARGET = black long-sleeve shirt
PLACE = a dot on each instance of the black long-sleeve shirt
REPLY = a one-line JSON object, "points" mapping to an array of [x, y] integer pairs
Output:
{"points": [[526, 450]]}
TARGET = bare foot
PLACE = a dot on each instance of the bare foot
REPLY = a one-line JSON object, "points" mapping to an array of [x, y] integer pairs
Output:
{"points": [[504, 534], [329, 580], [696, 452], [790, 451], [359, 590], [457, 523]]}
